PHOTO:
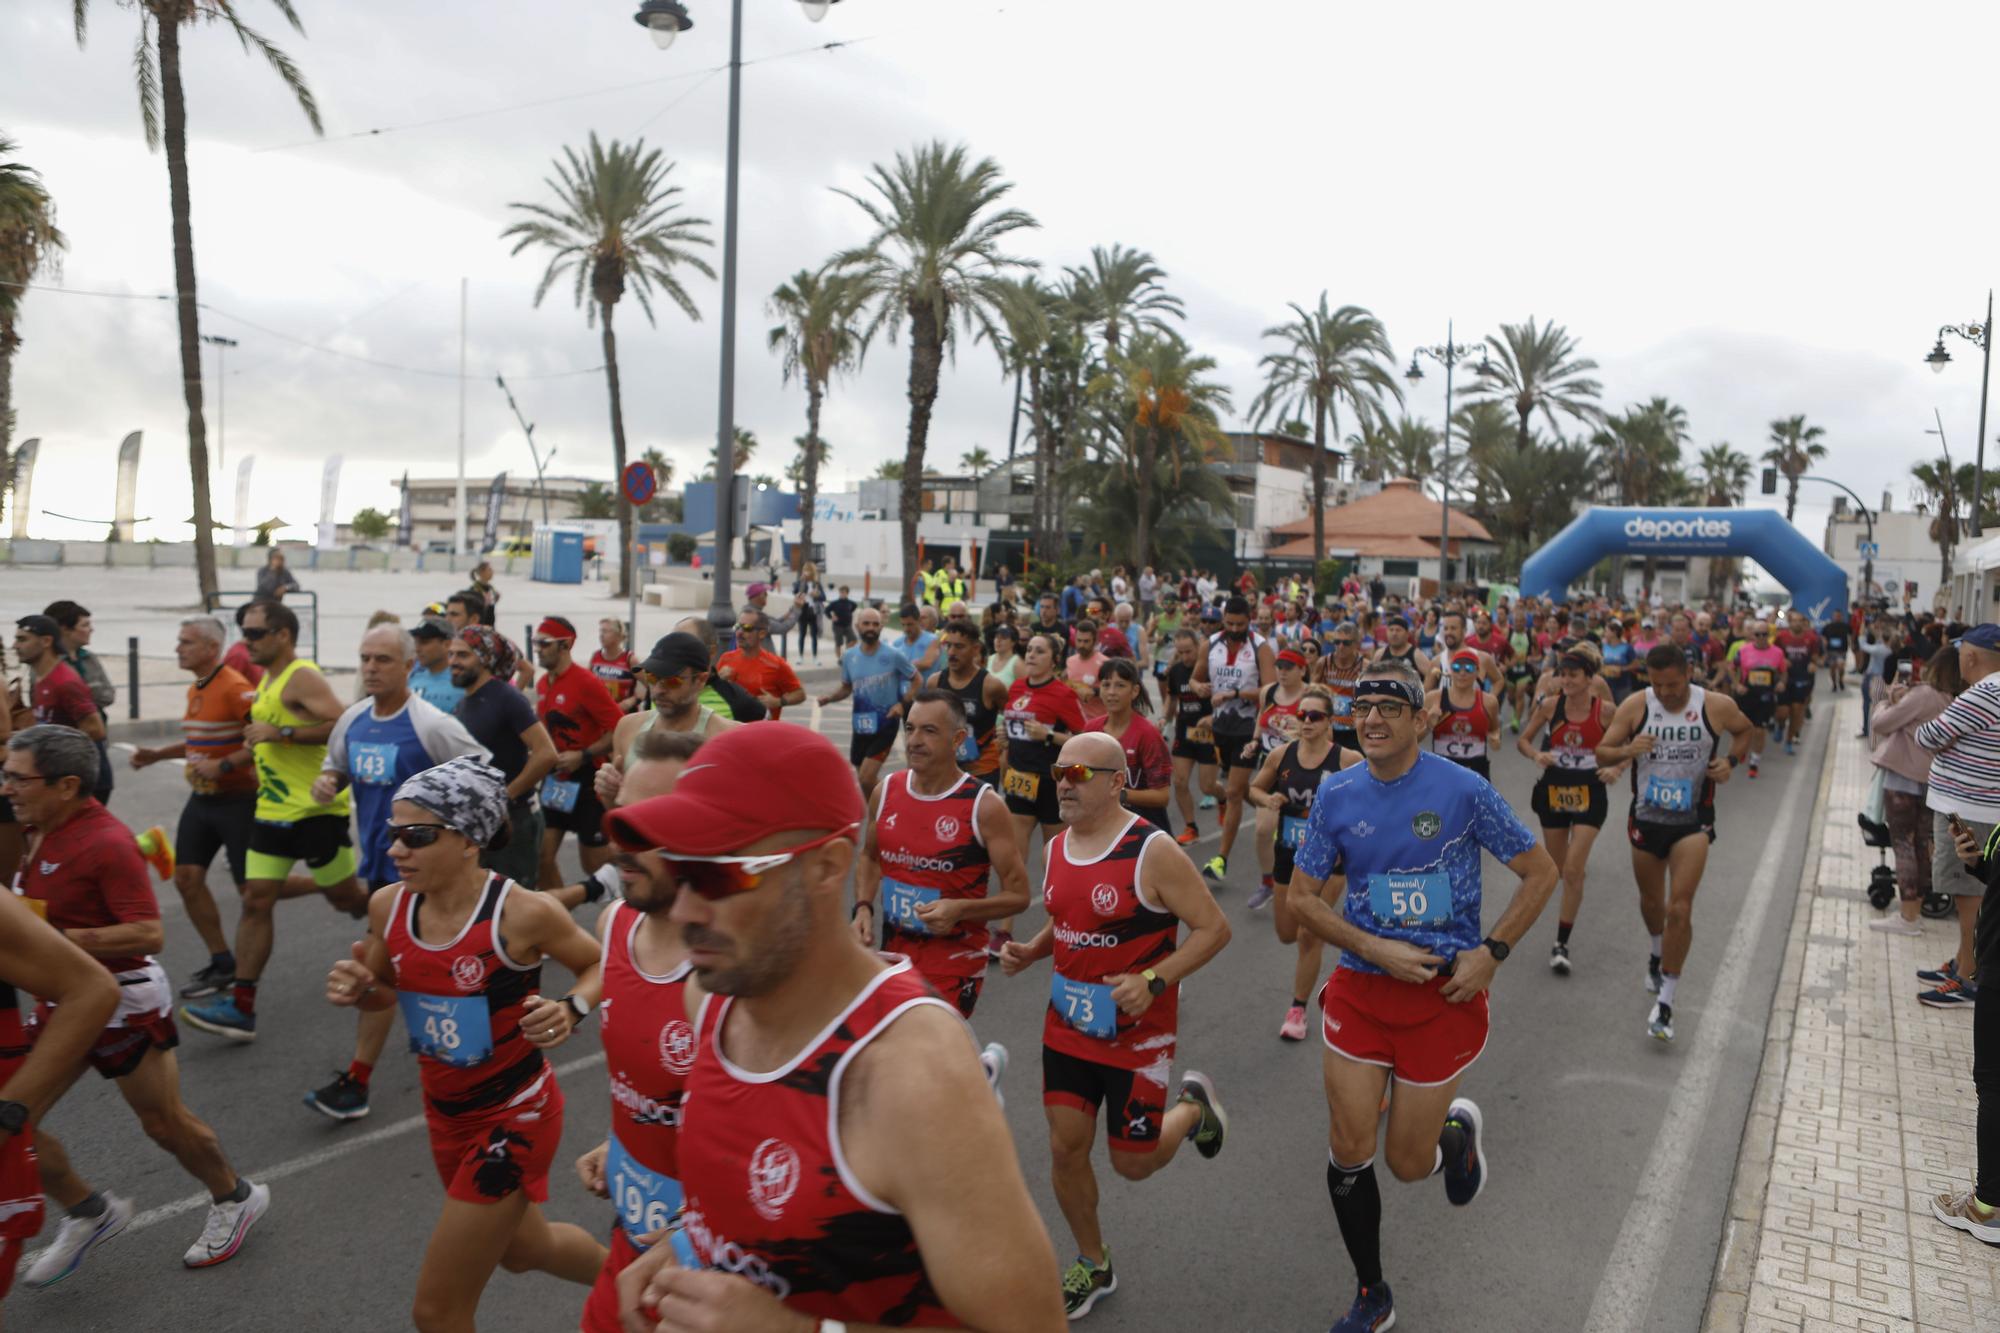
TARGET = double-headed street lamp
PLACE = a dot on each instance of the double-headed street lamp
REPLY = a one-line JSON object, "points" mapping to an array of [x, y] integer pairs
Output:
{"points": [[1447, 355], [666, 20], [1980, 336]]}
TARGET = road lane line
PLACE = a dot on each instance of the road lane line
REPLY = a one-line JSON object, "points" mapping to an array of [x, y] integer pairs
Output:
{"points": [[1625, 1293], [332, 1152]]}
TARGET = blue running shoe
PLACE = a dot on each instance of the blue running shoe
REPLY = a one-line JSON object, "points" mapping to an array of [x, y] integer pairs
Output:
{"points": [[1466, 1176], [220, 1016], [1374, 1310]]}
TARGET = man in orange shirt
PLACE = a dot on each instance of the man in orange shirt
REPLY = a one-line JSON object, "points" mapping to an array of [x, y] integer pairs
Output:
{"points": [[768, 677]]}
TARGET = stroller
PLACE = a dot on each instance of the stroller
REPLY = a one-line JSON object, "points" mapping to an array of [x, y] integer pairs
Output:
{"points": [[1882, 879]]}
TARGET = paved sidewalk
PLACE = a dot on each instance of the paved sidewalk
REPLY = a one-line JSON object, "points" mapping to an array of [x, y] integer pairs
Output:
{"points": [[1864, 1109]]}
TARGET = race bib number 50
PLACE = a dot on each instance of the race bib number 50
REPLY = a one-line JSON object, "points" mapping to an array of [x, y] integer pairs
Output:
{"points": [[1411, 900]]}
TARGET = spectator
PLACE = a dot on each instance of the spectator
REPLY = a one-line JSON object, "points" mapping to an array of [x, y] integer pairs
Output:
{"points": [[482, 583], [841, 612], [1874, 656], [757, 598], [274, 580], [1977, 1210], [1906, 772], [74, 621], [808, 586], [1964, 790]]}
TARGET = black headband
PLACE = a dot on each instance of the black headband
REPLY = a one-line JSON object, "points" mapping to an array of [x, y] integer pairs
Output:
{"points": [[1390, 685], [1577, 662]]}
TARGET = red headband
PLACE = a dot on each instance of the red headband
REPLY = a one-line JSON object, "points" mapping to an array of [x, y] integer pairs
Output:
{"points": [[552, 628]]}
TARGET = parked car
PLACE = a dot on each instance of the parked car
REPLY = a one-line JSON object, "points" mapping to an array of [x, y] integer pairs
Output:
{"points": [[513, 546]]}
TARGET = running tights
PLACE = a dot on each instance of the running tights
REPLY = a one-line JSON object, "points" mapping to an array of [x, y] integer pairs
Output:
{"points": [[1357, 1207], [1986, 1070]]}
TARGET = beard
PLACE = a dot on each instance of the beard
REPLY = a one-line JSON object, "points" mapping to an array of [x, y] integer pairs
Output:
{"points": [[789, 934]]}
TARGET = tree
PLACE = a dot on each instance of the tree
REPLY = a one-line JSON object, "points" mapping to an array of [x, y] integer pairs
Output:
{"points": [[1725, 480], [1166, 409], [163, 111], [1947, 492], [1325, 356], [370, 524], [746, 445], [891, 470], [597, 501], [1794, 447], [615, 221], [1535, 493], [934, 261], [30, 245], [1636, 458], [1186, 502], [976, 461], [664, 507], [1481, 432], [1412, 444], [1121, 292], [817, 339], [1537, 370]]}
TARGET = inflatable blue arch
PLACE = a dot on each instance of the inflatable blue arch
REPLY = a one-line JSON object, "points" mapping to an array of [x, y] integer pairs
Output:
{"points": [[1818, 586]]}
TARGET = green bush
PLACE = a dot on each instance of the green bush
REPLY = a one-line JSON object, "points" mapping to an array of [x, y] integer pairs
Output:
{"points": [[680, 547]]}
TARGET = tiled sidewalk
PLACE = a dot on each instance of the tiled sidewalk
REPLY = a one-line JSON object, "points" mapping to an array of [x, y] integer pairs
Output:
{"points": [[1864, 1109]]}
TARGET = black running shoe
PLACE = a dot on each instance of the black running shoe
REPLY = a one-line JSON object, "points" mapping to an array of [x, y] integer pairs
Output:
{"points": [[1937, 976], [1213, 1127], [1653, 975], [207, 982], [342, 1099]]}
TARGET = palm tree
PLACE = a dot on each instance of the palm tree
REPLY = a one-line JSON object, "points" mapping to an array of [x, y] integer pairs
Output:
{"points": [[1483, 430], [30, 245], [615, 221], [1121, 291], [1725, 481], [807, 462], [817, 339], [1164, 408], [1326, 355], [746, 445], [976, 461], [1794, 447], [1029, 315], [934, 261], [1537, 370], [597, 501], [1412, 446], [892, 470], [1945, 489], [163, 111], [664, 507]]}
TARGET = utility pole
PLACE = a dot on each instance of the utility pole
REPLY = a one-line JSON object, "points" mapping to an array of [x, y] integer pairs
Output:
{"points": [[459, 540]]}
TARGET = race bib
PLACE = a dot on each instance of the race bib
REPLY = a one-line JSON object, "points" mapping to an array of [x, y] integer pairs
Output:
{"points": [[558, 794], [646, 1200], [1421, 899], [1569, 800], [1292, 831], [1343, 705], [1017, 726], [1675, 794], [1027, 786], [1084, 1005], [38, 907], [900, 902], [867, 724], [968, 749], [372, 764], [451, 1029], [1761, 679], [1203, 732]]}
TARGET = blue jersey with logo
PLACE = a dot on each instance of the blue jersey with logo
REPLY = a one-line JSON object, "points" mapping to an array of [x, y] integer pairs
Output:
{"points": [[435, 688], [879, 681], [1411, 849]]}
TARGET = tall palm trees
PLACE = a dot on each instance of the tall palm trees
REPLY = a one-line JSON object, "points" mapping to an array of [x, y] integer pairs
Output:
{"points": [[615, 220], [1121, 291], [1538, 370], [163, 110], [1794, 447], [976, 461], [30, 244], [1324, 356], [1166, 408], [817, 337], [933, 261]]}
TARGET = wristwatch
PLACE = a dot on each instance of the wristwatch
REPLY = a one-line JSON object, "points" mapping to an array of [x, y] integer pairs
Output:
{"points": [[579, 1008], [285, 733], [1498, 948], [1154, 983], [228, 765], [13, 1117]]}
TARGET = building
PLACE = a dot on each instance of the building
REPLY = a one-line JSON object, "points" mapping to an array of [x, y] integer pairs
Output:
{"points": [[434, 505], [1392, 532], [1906, 554]]}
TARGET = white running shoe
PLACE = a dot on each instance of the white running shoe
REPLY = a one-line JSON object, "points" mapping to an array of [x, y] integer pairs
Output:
{"points": [[228, 1223], [993, 1059], [75, 1238], [1660, 1023]]}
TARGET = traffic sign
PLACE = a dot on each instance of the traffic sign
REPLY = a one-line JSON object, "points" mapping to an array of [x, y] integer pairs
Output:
{"points": [[639, 482], [1870, 550]]}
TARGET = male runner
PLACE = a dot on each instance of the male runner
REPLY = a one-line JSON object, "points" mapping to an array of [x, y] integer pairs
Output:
{"points": [[1803, 654], [56, 693], [1117, 891], [1673, 730], [918, 644], [1451, 638], [677, 679], [935, 838], [291, 716], [1230, 675], [982, 697], [84, 876], [613, 663], [1339, 672], [580, 716], [752, 665], [430, 678], [500, 718], [824, 1188], [878, 676], [1398, 646], [1408, 997]]}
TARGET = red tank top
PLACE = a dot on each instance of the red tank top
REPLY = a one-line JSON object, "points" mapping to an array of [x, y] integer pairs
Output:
{"points": [[1278, 724], [769, 1196], [1341, 685], [1461, 733], [1104, 927], [1574, 744], [648, 1046], [930, 848], [462, 1003]]}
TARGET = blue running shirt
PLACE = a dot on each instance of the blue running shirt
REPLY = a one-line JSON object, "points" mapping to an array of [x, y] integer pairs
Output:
{"points": [[879, 681], [1412, 851], [380, 754]]}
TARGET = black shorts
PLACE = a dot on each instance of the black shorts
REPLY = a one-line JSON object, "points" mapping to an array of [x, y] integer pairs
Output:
{"points": [[1480, 764], [211, 824], [316, 839], [1134, 1108], [1758, 707], [1229, 748], [585, 819], [1016, 784], [961, 993], [1800, 688], [1202, 752], [1570, 810], [863, 748], [1658, 839]]}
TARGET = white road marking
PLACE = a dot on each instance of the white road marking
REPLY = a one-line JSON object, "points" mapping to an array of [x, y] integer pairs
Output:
{"points": [[1625, 1293]]}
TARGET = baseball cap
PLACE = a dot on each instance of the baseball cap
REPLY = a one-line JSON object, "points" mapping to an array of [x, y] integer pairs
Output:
{"points": [[431, 627], [675, 653], [1465, 655], [43, 626], [1985, 636], [723, 799]]}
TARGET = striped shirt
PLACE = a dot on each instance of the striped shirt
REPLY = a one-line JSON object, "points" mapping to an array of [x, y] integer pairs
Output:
{"points": [[1965, 776]]}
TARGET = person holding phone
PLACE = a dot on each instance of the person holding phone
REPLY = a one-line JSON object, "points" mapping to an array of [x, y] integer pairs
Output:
{"points": [[1874, 650], [1964, 741]]}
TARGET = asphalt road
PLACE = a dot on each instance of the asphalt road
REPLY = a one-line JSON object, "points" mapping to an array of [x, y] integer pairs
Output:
{"points": [[1611, 1155]]}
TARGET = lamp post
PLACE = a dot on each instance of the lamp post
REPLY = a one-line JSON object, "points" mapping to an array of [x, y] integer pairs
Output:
{"points": [[221, 346], [666, 20], [1448, 355], [1980, 336]]}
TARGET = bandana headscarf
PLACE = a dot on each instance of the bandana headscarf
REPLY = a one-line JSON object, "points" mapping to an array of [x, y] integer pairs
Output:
{"points": [[1392, 686], [466, 794], [492, 649]]}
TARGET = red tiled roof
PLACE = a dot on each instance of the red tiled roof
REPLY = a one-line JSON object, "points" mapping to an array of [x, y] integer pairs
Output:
{"points": [[1396, 511], [1390, 548]]}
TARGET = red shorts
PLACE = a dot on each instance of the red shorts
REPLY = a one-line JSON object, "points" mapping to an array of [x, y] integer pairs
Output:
{"points": [[600, 1311], [1411, 1030], [20, 1203], [10, 1259], [486, 1161], [143, 1021]]}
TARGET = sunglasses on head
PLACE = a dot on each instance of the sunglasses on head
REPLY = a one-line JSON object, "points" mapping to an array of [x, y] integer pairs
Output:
{"points": [[416, 837], [1075, 774], [717, 877]]}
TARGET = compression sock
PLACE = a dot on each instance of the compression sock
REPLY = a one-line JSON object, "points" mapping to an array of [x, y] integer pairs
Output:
{"points": [[237, 1195], [245, 995], [1667, 980], [1563, 928], [1357, 1207], [91, 1207], [359, 1070]]}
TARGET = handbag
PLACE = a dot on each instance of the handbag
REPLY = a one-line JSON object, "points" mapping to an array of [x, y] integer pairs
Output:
{"points": [[1871, 807]]}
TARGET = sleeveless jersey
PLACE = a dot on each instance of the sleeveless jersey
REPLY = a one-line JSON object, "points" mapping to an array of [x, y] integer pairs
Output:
{"points": [[1461, 733], [930, 849], [1574, 744], [1408, 657], [649, 1048], [1340, 684], [980, 753], [462, 1003], [1278, 723], [1299, 781], [619, 673], [1759, 669], [1798, 650], [703, 715], [1191, 711], [1105, 926], [285, 772], [1671, 784], [770, 1197], [1234, 668]]}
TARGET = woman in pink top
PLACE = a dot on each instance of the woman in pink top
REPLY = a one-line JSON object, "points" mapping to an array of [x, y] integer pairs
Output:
{"points": [[1906, 769]]}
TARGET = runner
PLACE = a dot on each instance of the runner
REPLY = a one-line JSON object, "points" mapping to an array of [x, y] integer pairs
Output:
{"points": [[982, 697], [461, 953], [918, 643], [675, 675], [1617, 660], [1835, 634], [752, 665], [83, 875], [1194, 733], [502, 719], [1759, 668], [1672, 730], [1400, 647], [1408, 997], [1117, 892], [821, 1081], [879, 677], [580, 717], [1803, 655], [614, 665], [1083, 667], [1277, 727], [291, 716], [1042, 714], [1572, 792], [935, 838], [430, 679], [1465, 726], [1149, 769], [1339, 672], [56, 693], [1229, 675]]}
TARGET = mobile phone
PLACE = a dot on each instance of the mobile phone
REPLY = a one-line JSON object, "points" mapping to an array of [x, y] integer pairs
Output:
{"points": [[1957, 824], [1905, 668]]}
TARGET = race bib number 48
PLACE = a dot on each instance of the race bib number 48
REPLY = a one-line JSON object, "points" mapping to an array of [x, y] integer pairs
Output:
{"points": [[453, 1029]]}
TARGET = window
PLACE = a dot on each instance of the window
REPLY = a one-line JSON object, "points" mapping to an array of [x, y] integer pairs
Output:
{"points": [[1399, 569]]}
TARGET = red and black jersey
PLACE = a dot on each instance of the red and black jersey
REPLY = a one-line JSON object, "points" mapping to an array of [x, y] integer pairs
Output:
{"points": [[1574, 744], [1053, 704], [1105, 927], [930, 848], [619, 673], [648, 1047], [13, 1039], [1341, 683], [1278, 722], [769, 1196], [1461, 733], [463, 1003], [980, 754]]}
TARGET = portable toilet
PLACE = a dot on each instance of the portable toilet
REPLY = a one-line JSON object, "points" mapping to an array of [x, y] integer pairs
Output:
{"points": [[558, 555]]}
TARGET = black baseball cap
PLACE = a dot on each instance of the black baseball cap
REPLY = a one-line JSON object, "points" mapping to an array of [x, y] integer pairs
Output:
{"points": [[675, 653], [431, 627], [43, 626]]}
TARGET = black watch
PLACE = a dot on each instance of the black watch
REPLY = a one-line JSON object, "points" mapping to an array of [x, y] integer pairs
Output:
{"points": [[13, 1117], [1498, 948]]}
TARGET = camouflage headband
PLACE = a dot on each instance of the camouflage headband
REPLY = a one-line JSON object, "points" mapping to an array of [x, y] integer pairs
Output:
{"points": [[492, 648], [467, 794]]}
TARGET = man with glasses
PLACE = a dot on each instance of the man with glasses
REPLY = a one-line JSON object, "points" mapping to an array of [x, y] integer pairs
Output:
{"points": [[982, 697], [501, 719], [829, 1090], [291, 716], [676, 678], [1340, 672], [1408, 997], [878, 676], [768, 677], [1117, 891], [580, 717]]}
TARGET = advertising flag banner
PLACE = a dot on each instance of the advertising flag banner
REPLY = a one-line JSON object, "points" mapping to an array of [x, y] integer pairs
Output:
{"points": [[243, 500], [329, 497], [496, 495], [24, 477], [407, 522]]}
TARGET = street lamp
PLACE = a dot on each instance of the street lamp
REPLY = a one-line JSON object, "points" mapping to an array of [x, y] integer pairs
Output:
{"points": [[1447, 356], [1980, 336], [666, 20]]}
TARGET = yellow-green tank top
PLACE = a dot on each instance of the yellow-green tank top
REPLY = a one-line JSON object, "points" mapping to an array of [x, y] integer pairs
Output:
{"points": [[285, 772]]}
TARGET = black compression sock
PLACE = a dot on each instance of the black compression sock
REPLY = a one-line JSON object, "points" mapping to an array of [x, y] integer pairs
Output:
{"points": [[237, 1195], [1563, 928], [1357, 1207], [91, 1207]]}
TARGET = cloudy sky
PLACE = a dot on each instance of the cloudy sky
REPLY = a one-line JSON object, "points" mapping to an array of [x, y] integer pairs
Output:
{"points": [[1755, 210]]}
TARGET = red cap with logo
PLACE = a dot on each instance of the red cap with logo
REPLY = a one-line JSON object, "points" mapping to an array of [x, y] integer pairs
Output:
{"points": [[746, 784], [1465, 655]]}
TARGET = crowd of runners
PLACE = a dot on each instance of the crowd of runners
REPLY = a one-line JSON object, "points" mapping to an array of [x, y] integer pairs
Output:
{"points": [[783, 946]]}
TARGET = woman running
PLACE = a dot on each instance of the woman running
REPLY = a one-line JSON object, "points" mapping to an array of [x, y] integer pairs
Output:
{"points": [[1277, 726], [1572, 793], [1464, 718], [1149, 769], [1042, 713], [1194, 736]]}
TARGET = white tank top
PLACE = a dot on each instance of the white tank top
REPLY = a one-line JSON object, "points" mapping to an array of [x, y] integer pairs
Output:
{"points": [[1235, 673], [1670, 785]]}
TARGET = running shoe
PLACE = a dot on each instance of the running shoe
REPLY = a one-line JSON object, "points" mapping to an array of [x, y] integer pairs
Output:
{"points": [[1660, 1023], [1214, 1126], [1294, 1028], [1653, 975], [1753, 766], [1952, 993], [996, 940], [220, 1016], [1968, 1215], [1559, 960], [228, 1223], [1206, 803], [207, 982], [1086, 1283], [993, 1059], [1465, 1172], [75, 1239], [1943, 972], [157, 851], [1214, 868], [1188, 836], [346, 1098], [1260, 897], [1373, 1311]]}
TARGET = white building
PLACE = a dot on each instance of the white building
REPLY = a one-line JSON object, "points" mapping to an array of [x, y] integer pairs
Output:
{"points": [[1905, 552], [862, 543], [434, 503]]}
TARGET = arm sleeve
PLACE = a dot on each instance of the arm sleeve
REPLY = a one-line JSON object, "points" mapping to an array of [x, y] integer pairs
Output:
{"points": [[442, 735]]}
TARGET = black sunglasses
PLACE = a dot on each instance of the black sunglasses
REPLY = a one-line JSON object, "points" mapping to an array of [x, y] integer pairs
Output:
{"points": [[252, 633], [416, 837]]}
